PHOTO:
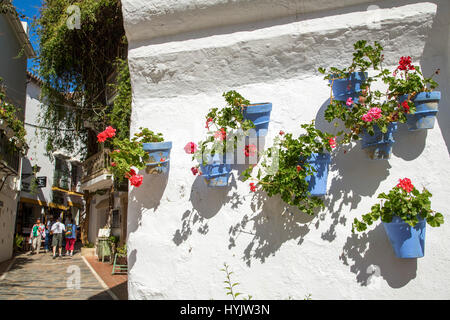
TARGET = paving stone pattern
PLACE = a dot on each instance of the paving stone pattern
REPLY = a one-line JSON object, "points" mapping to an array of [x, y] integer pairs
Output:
{"points": [[39, 277]]}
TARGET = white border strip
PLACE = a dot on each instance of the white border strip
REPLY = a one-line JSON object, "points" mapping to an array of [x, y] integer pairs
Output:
{"points": [[100, 279], [8, 268]]}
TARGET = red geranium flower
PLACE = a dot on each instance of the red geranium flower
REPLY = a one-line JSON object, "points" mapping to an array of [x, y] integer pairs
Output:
{"points": [[136, 180], [299, 168], [252, 187], [110, 131], [281, 132], [405, 106], [332, 142], [250, 150], [113, 164], [406, 185], [194, 170], [130, 174], [405, 64], [102, 136]]}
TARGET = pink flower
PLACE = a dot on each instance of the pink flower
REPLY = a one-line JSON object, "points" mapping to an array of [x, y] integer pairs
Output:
{"points": [[220, 134], [116, 151], [332, 142], [190, 148], [194, 170], [367, 118], [349, 102], [208, 122], [375, 113], [250, 150], [113, 164], [136, 180], [252, 187]]}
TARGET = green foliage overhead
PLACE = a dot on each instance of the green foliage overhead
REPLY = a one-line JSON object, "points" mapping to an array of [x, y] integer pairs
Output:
{"points": [[8, 116], [119, 117], [74, 65]]}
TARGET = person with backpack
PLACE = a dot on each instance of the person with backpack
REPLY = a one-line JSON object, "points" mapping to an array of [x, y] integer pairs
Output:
{"points": [[36, 235], [57, 230], [71, 237]]}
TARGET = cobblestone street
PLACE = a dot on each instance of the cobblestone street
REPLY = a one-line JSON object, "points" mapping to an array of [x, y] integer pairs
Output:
{"points": [[39, 277]]}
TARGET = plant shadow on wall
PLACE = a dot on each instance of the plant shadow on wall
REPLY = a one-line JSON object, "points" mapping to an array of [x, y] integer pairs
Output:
{"points": [[355, 176], [370, 255], [144, 199], [272, 224], [206, 203]]}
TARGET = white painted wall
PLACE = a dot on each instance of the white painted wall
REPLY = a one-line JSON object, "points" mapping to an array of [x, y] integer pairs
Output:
{"points": [[180, 232], [8, 196], [37, 151]]}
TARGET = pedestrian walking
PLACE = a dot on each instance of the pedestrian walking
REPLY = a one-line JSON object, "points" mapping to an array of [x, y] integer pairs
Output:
{"points": [[48, 236], [71, 237], [57, 230], [36, 235]]}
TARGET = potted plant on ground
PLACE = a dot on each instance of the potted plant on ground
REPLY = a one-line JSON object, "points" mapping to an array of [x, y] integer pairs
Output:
{"points": [[226, 126], [122, 255], [295, 169], [415, 93], [404, 214]]}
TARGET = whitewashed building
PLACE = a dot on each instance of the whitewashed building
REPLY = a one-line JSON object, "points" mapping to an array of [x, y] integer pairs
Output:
{"points": [[51, 182], [13, 66], [183, 54]]}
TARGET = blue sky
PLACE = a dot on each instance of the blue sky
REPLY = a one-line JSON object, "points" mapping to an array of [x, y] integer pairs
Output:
{"points": [[30, 8]]}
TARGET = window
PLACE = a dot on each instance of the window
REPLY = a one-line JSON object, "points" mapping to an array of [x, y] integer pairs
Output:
{"points": [[115, 219]]}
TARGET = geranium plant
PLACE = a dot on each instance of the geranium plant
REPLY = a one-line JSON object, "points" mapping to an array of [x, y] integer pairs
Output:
{"points": [[408, 79], [373, 107], [364, 58], [404, 201], [129, 154], [284, 167], [225, 127]]}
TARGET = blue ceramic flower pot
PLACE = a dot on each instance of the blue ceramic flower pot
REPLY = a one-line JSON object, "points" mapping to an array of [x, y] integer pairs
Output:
{"points": [[407, 241], [318, 181], [379, 146], [216, 172], [159, 156], [348, 87], [426, 109], [259, 114]]}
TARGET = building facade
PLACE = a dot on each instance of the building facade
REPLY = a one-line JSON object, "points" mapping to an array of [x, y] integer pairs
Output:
{"points": [[183, 55], [15, 50], [51, 183]]}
